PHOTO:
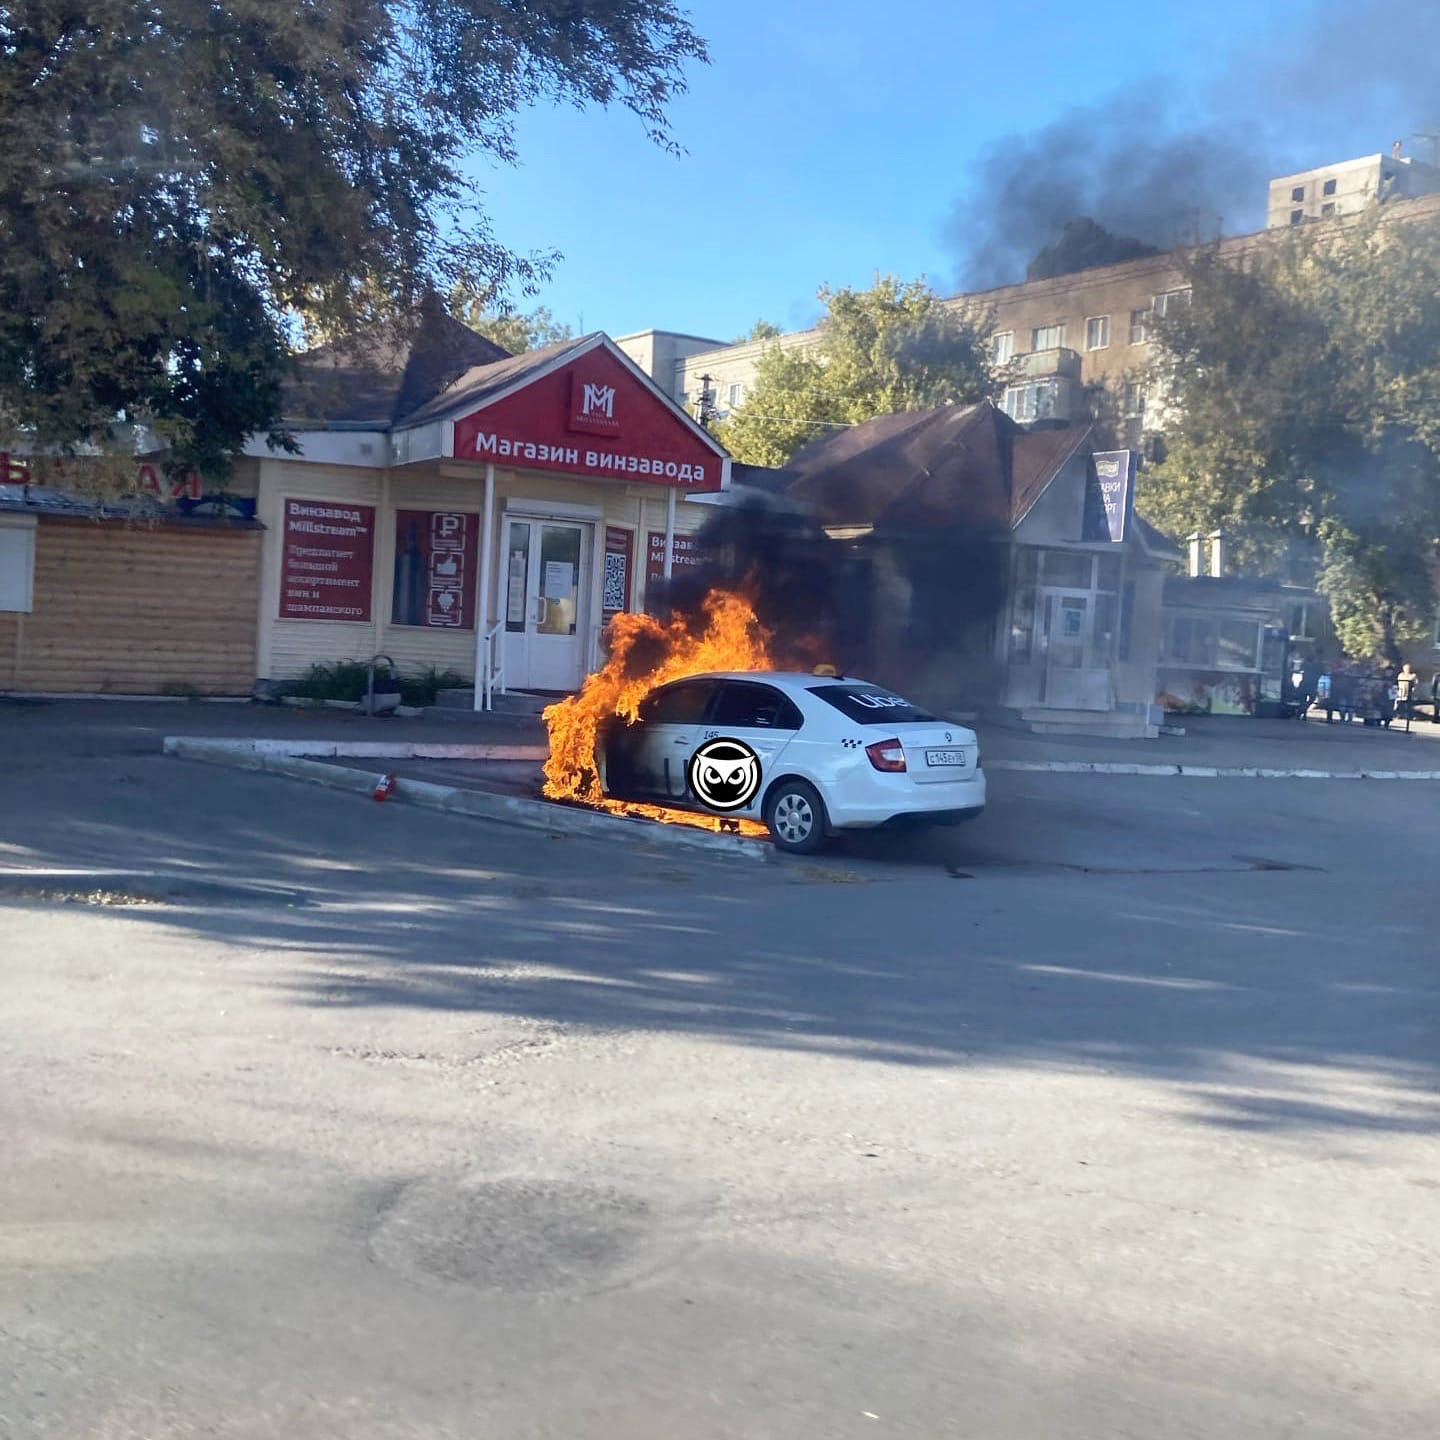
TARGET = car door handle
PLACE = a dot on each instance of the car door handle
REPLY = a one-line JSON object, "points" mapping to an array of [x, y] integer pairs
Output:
{"points": [[681, 741]]}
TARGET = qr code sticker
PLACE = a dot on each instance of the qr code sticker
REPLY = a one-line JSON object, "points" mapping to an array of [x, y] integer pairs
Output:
{"points": [[614, 582]]}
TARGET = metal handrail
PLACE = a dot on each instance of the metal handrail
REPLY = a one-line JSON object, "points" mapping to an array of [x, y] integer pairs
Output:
{"points": [[494, 669]]}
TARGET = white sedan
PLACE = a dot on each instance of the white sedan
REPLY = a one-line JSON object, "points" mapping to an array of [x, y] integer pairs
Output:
{"points": [[807, 754]]}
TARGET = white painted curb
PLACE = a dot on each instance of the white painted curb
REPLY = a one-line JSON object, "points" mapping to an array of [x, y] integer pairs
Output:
{"points": [[1201, 772], [358, 749], [506, 809]]}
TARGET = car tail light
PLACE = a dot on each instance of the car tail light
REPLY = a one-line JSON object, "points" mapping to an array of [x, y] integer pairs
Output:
{"points": [[886, 755]]}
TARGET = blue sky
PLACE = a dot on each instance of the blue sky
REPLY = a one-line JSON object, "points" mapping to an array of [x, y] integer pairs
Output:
{"points": [[826, 142]]}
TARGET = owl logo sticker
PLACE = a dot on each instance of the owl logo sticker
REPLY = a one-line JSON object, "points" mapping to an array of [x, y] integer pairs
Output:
{"points": [[724, 774]]}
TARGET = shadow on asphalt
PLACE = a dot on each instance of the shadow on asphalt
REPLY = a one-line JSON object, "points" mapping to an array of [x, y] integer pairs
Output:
{"points": [[1212, 935]]}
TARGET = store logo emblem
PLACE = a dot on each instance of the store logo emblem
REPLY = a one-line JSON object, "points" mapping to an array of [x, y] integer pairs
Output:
{"points": [[724, 774], [599, 400], [592, 405]]}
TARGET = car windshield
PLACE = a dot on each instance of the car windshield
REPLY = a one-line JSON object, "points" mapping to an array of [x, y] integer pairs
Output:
{"points": [[869, 704]]}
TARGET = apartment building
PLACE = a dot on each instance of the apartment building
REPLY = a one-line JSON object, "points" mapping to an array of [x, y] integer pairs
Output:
{"points": [[1344, 189], [1078, 344]]}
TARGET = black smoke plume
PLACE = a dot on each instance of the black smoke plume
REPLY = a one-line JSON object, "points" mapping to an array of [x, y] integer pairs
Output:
{"points": [[1165, 164]]}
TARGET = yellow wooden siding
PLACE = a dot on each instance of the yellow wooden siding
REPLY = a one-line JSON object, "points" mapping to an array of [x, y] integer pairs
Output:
{"points": [[135, 610]]}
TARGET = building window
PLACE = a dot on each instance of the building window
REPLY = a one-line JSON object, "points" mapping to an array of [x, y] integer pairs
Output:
{"points": [[1047, 337], [1139, 327], [1097, 332], [1296, 216], [1329, 187], [1134, 416], [1171, 302], [1036, 401], [1327, 210], [1297, 194], [1002, 346], [735, 395], [17, 562]]}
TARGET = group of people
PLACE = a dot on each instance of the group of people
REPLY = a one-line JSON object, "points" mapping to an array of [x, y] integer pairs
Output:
{"points": [[1374, 694]]}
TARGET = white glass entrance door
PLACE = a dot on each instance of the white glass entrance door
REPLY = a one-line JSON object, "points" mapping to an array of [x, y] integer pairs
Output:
{"points": [[1073, 678], [545, 591]]}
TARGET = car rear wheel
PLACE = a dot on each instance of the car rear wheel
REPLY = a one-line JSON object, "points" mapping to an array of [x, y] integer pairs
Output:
{"points": [[796, 817]]}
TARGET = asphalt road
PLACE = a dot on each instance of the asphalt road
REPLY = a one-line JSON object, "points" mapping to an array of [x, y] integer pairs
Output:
{"points": [[1113, 1117]]}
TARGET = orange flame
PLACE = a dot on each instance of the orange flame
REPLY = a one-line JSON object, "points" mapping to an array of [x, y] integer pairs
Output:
{"points": [[644, 653]]}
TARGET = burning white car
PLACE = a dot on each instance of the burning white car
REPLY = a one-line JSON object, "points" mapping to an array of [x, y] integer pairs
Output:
{"points": [[806, 754]]}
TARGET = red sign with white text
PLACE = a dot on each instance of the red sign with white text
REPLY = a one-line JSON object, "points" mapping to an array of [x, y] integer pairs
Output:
{"points": [[327, 560], [687, 554], [592, 416]]}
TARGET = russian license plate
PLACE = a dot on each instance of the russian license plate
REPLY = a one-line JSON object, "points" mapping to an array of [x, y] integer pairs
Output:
{"points": [[944, 757]]}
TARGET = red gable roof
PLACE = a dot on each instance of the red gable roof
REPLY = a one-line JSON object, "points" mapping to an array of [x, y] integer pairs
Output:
{"points": [[580, 409]]}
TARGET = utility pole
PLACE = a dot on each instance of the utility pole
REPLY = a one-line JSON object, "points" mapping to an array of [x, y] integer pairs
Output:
{"points": [[705, 405]]}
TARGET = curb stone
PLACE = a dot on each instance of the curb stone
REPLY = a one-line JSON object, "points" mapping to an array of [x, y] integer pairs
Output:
{"points": [[514, 810], [1205, 772], [359, 749]]}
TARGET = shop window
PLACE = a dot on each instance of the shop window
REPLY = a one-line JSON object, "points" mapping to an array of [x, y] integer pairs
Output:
{"points": [[17, 562], [1066, 570], [1097, 332], [1002, 347], [1022, 622], [1127, 620], [1239, 645], [1107, 572], [1106, 619]]}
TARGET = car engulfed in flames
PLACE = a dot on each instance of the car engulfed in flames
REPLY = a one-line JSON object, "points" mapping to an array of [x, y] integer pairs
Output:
{"points": [[644, 653]]}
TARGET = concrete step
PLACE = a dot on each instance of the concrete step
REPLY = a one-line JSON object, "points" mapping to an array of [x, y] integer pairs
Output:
{"points": [[512, 702]]}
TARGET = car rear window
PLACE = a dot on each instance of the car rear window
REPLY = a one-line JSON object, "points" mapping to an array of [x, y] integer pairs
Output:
{"points": [[869, 704]]}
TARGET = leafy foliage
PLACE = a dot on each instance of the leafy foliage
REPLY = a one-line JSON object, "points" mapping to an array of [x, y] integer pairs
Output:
{"points": [[896, 346], [182, 176], [510, 329], [350, 680], [760, 330], [1301, 406]]}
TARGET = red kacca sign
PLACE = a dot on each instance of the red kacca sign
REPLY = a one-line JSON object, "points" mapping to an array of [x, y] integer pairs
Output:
{"points": [[150, 478], [590, 417]]}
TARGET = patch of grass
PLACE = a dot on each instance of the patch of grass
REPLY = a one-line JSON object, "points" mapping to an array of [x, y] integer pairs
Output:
{"points": [[348, 680]]}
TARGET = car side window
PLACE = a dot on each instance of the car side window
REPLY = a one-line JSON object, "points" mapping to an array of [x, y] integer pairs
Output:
{"points": [[682, 704], [756, 707]]}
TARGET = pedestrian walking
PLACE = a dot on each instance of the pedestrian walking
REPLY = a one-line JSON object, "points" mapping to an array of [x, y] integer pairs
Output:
{"points": [[1407, 685]]}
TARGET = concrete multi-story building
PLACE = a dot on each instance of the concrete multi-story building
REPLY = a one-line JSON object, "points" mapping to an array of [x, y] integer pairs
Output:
{"points": [[1078, 345], [1348, 187]]}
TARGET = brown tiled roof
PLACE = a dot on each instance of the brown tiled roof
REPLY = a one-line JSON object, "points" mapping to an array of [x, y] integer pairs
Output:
{"points": [[914, 470], [383, 375], [479, 382], [952, 467]]}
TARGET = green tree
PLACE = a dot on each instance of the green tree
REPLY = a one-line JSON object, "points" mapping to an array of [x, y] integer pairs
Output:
{"points": [[510, 329], [896, 346], [760, 330], [181, 178], [1301, 407]]}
